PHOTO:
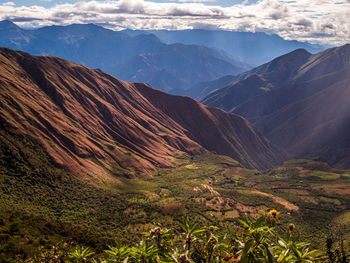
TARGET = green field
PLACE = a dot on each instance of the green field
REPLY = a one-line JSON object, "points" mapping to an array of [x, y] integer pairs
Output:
{"points": [[42, 205]]}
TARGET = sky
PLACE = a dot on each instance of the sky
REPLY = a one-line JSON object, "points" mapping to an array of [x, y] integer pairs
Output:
{"points": [[315, 21]]}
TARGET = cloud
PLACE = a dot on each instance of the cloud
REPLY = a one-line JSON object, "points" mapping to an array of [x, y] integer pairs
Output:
{"points": [[322, 21], [9, 4], [197, 1]]}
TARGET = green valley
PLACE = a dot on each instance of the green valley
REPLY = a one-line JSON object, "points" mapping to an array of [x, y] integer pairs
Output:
{"points": [[43, 205]]}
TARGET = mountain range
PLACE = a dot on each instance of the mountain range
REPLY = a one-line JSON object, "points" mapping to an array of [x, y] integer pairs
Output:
{"points": [[142, 58], [251, 48], [95, 124], [299, 101], [172, 61], [277, 97]]}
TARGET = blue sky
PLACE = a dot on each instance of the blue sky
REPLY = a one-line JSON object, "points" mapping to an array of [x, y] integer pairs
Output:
{"points": [[316, 21], [50, 3]]}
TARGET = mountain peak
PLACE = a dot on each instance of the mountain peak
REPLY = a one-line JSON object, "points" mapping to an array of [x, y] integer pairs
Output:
{"points": [[300, 51], [297, 53], [7, 24], [148, 37], [345, 47]]}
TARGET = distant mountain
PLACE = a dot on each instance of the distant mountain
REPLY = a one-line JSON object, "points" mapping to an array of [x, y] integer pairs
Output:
{"points": [[299, 101], [251, 48], [94, 124], [175, 68], [202, 89], [139, 58]]}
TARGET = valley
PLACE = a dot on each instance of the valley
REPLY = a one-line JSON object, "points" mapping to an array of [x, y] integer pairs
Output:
{"points": [[112, 140], [210, 188]]}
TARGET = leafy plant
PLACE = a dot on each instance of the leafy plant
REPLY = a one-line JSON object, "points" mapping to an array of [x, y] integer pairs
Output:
{"points": [[144, 253], [81, 255], [118, 254], [257, 242], [190, 230]]}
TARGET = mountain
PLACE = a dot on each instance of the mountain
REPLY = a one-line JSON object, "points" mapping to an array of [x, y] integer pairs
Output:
{"points": [[318, 72], [95, 124], [258, 81], [251, 48], [275, 73], [215, 130], [202, 89], [14, 35], [317, 127], [299, 103], [175, 68], [141, 58]]}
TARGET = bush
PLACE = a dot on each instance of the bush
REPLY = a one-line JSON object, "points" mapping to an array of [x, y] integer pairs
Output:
{"points": [[256, 242]]}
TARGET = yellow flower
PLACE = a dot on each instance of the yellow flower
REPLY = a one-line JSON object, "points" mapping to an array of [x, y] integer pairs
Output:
{"points": [[234, 258], [291, 228], [274, 213]]}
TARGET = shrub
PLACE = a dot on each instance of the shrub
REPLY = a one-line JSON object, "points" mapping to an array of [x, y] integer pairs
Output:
{"points": [[257, 242]]}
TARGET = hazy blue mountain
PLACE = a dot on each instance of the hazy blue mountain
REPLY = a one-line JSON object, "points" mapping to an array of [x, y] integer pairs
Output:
{"points": [[142, 58], [202, 89], [252, 48], [175, 68]]}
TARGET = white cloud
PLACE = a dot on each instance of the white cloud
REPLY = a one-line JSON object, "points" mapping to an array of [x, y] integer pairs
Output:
{"points": [[197, 1], [9, 4], [321, 21]]}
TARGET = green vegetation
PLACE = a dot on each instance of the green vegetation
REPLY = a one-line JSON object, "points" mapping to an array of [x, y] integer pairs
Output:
{"points": [[42, 205], [256, 242]]}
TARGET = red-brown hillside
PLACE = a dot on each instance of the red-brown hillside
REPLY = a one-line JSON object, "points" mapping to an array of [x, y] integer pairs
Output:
{"points": [[95, 124], [215, 129]]}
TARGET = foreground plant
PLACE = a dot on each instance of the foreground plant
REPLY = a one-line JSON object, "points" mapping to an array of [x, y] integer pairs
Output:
{"points": [[81, 255], [257, 242], [118, 254]]}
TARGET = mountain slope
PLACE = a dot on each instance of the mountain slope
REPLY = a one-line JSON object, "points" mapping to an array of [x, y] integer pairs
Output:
{"points": [[122, 55], [84, 116], [202, 89], [258, 81], [317, 127], [95, 124], [260, 106], [306, 110], [318, 72], [175, 68], [215, 130]]}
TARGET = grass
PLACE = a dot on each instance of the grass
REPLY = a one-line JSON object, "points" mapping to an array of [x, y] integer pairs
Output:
{"points": [[42, 204], [344, 218]]}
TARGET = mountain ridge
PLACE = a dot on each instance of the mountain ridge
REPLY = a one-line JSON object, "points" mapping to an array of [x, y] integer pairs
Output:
{"points": [[93, 123], [113, 51], [253, 48], [260, 80], [304, 111]]}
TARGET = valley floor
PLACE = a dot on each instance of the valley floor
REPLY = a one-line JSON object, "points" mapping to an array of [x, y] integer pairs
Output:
{"points": [[43, 205]]}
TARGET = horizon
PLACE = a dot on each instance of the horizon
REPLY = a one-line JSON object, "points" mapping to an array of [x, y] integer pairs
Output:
{"points": [[315, 22], [325, 46]]}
